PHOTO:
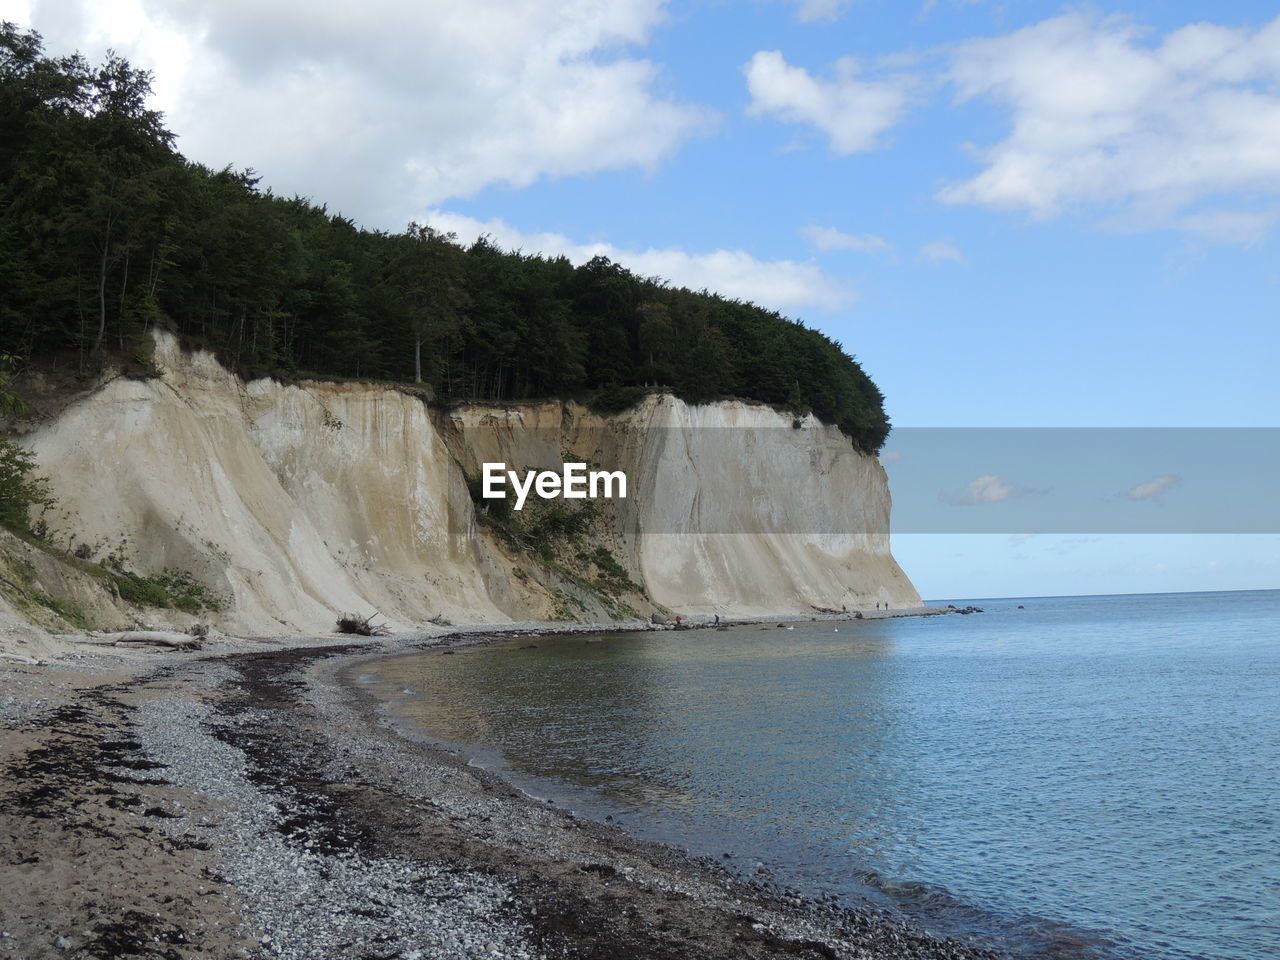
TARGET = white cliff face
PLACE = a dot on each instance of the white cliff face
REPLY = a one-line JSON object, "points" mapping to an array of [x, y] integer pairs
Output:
{"points": [[294, 502], [748, 515], [300, 502]]}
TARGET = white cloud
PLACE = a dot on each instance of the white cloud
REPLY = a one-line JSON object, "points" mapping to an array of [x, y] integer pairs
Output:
{"points": [[988, 489], [384, 107], [851, 111], [827, 239], [1151, 489], [777, 284], [891, 456], [941, 251], [16, 11], [820, 11], [1183, 131]]}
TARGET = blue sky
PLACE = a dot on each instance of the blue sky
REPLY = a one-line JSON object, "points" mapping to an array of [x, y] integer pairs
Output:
{"points": [[1014, 214]]}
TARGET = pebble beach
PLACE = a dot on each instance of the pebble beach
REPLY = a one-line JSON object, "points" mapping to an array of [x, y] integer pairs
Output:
{"points": [[255, 804]]}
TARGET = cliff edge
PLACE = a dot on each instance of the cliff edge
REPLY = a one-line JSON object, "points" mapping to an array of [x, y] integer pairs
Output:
{"points": [[286, 504]]}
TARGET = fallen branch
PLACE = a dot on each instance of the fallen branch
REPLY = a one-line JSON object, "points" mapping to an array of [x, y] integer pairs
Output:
{"points": [[31, 661], [6, 580]]}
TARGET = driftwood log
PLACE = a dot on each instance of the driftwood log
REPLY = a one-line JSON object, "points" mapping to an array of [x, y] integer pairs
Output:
{"points": [[145, 638]]}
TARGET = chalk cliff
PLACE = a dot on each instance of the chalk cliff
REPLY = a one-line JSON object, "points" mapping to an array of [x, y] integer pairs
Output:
{"points": [[295, 502]]}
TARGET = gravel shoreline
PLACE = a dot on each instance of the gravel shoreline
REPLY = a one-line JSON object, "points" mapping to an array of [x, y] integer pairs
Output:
{"points": [[255, 805]]}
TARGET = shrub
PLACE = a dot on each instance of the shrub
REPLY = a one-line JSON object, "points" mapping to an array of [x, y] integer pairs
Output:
{"points": [[173, 589], [616, 399], [20, 489]]}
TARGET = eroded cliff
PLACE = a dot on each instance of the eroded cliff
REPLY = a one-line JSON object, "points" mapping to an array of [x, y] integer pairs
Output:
{"points": [[291, 503]]}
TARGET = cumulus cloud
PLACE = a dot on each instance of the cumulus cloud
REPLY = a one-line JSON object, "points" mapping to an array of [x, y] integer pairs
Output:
{"points": [[387, 106], [1181, 130], [827, 239], [988, 489], [1151, 489], [941, 251], [778, 284], [853, 112]]}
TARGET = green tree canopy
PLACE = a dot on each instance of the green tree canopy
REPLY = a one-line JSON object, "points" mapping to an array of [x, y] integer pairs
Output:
{"points": [[106, 230]]}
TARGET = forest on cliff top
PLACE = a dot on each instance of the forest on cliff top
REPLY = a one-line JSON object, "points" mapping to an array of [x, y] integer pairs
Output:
{"points": [[106, 230]]}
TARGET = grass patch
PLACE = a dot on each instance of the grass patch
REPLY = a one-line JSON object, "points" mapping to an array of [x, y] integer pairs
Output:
{"points": [[173, 589], [565, 606], [611, 576], [26, 595], [65, 609]]}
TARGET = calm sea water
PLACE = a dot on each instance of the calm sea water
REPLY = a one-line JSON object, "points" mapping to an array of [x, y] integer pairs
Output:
{"points": [[1083, 776]]}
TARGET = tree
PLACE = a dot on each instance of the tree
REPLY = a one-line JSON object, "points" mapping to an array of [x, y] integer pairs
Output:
{"points": [[105, 230], [656, 338], [427, 269], [20, 489]]}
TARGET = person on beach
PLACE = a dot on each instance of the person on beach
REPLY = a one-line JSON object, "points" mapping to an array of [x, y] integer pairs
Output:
{"points": [[717, 623]]}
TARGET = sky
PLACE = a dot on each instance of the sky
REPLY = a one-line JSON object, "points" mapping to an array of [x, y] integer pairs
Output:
{"points": [[1014, 214]]}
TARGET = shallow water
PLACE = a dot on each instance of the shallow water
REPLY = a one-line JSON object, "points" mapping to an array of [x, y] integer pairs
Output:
{"points": [[1088, 776]]}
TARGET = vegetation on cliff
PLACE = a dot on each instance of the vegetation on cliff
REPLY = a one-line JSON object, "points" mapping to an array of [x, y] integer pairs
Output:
{"points": [[21, 491], [106, 230]]}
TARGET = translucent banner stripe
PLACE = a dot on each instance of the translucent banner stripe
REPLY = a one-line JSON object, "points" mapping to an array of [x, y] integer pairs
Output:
{"points": [[809, 480]]}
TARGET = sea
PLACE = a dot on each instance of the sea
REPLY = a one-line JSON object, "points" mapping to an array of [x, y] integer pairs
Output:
{"points": [[1054, 777]]}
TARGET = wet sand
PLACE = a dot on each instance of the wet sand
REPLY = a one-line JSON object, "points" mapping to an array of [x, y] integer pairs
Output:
{"points": [[257, 805]]}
